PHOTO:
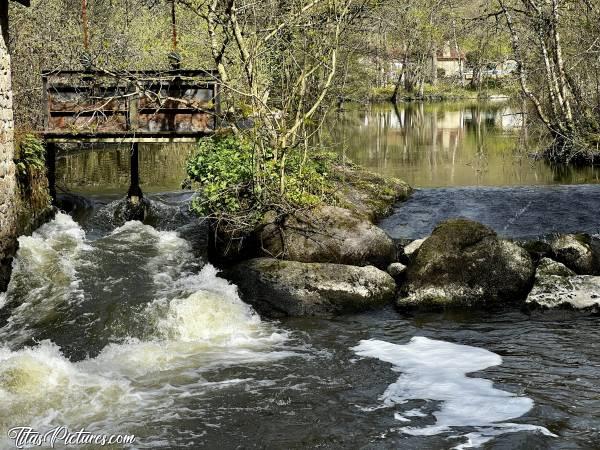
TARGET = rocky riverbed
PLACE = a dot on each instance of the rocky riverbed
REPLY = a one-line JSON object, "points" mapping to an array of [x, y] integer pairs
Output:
{"points": [[337, 260]]}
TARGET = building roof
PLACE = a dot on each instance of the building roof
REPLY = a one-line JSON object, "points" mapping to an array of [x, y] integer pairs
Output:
{"points": [[449, 54]]}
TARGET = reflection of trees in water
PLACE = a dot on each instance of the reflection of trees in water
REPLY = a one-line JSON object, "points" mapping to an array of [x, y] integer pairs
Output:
{"points": [[444, 144], [106, 169]]}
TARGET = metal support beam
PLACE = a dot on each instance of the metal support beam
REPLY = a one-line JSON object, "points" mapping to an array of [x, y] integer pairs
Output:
{"points": [[122, 140], [51, 170], [134, 195]]}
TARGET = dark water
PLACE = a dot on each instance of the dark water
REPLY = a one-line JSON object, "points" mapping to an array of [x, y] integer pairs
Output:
{"points": [[514, 212], [122, 329]]}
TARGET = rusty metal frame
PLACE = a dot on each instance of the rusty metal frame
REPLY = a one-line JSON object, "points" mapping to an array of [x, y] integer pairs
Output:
{"points": [[129, 106]]}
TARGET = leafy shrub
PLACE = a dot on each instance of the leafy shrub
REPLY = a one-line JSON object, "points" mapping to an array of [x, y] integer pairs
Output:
{"points": [[231, 187], [223, 168]]}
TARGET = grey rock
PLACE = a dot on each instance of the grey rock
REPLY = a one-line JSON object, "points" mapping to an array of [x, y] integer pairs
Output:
{"points": [[548, 267], [557, 286], [397, 270], [537, 249], [288, 288], [575, 252], [411, 249], [327, 234], [574, 292], [465, 263]]}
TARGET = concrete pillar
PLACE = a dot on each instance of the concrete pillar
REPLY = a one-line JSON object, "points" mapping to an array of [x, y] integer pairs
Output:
{"points": [[8, 227]]}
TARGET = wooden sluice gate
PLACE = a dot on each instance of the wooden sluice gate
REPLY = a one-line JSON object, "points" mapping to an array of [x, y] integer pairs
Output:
{"points": [[128, 107]]}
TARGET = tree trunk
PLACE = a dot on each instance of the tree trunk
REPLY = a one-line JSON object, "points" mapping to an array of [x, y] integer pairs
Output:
{"points": [[394, 98], [434, 77]]}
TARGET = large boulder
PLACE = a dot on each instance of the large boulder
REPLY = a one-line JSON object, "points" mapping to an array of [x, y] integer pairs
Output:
{"points": [[288, 288], [327, 234], [557, 286], [575, 251], [411, 250], [549, 267], [465, 263]]}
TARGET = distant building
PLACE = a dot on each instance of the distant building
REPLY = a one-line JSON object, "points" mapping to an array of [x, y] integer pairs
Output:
{"points": [[450, 61]]}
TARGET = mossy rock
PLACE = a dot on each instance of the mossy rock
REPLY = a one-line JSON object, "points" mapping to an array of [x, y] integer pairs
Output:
{"points": [[558, 287], [465, 263], [577, 253], [368, 193], [327, 234], [289, 288], [537, 249]]}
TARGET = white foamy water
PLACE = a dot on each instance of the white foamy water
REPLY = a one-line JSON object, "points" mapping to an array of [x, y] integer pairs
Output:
{"points": [[437, 371], [44, 275], [193, 322]]}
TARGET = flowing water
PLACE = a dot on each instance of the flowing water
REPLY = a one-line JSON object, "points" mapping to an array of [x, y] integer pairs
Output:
{"points": [[126, 328], [525, 212]]}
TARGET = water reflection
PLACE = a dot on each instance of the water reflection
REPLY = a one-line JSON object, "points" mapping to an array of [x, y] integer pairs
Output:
{"points": [[104, 169], [428, 145], [448, 144]]}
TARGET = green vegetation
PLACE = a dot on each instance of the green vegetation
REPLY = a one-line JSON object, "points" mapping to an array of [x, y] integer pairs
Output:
{"points": [[30, 155], [33, 199], [223, 168]]}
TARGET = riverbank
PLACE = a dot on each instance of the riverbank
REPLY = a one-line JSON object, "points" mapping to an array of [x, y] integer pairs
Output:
{"points": [[446, 91]]}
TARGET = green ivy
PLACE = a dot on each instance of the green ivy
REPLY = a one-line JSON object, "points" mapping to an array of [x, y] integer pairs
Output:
{"points": [[223, 168]]}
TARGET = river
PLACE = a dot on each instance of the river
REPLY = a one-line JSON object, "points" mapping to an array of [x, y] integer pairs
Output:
{"points": [[123, 328]]}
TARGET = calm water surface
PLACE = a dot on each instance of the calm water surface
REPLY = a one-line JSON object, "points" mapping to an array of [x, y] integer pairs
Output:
{"points": [[125, 328], [428, 145], [448, 144]]}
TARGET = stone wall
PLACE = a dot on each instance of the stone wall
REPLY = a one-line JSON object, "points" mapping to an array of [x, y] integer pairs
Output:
{"points": [[8, 230]]}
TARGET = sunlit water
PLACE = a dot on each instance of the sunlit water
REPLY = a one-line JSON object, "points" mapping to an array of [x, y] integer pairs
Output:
{"points": [[448, 144], [125, 328], [468, 159]]}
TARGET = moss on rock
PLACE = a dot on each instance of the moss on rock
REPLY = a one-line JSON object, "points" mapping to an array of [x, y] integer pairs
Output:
{"points": [[465, 263], [289, 288], [368, 193]]}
